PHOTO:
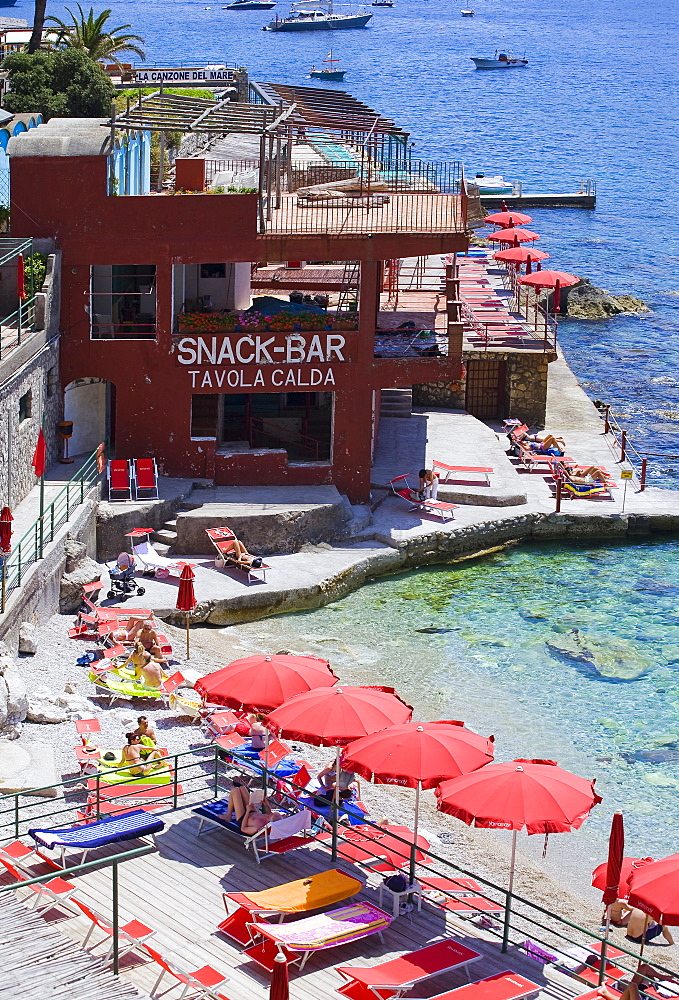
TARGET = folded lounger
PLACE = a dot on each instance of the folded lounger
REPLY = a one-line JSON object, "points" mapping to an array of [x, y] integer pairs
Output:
{"points": [[119, 480], [299, 939], [221, 539], [152, 561], [506, 985], [401, 488], [128, 826], [145, 478], [277, 837]]}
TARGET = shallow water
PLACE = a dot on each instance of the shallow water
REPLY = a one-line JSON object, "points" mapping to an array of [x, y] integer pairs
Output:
{"points": [[470, 642]]}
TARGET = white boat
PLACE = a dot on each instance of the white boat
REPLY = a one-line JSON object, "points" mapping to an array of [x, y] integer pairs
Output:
{"points": [[467, 13], [310, 15], [492, 185], [501, 60]]}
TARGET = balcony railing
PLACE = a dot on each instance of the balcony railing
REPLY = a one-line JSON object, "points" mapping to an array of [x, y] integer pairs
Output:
{"points": [[17, 326]]}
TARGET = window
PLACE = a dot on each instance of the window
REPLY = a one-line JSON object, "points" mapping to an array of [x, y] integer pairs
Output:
{"points": [[52, 382], [204, 413], [213, 270], [25, 406], [123, 302]]}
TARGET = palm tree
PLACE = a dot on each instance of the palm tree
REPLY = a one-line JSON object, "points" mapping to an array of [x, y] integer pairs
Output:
{"points": [[90, 34], [38, 22]]}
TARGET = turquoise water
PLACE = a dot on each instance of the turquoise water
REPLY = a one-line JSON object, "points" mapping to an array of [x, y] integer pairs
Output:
{"points": [[491, 666]]}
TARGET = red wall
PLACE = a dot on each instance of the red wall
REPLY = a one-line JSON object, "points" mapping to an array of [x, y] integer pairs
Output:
{"points": [[66, 198]]}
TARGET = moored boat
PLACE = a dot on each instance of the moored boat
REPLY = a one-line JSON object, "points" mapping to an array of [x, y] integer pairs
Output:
{"points": [[382, 3], [467, 13], [251, 5], [492, 185], [329, 73], [319, 17], [501, 60]]}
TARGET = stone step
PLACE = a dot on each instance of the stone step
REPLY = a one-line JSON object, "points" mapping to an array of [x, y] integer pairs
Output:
{"points": [[396, 402], [165, 536]]}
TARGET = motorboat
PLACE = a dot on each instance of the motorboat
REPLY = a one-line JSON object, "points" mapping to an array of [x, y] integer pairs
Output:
{"points": [[382, 3], [251, 5], [467, 13], [329, 73], [492, 185], [314, 16], [501, 60]]}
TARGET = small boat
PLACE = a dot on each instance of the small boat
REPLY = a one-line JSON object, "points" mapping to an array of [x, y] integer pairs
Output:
{"points": [[330, 73], [501, 60], [467, 13], [251, 5], [310, 15], [492, 185], [382, 3]]}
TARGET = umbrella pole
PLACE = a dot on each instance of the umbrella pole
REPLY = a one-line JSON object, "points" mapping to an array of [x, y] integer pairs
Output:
{"points": [[188, 650], [643, 940], [508, 901], [602, 963], [335, 809], [413, 849]]}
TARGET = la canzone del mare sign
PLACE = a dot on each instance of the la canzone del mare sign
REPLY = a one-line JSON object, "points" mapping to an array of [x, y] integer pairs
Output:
{"points": [[281, 360]]}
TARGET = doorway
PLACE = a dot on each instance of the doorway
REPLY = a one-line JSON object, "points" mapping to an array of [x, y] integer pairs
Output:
{"points": [[485, 395]]}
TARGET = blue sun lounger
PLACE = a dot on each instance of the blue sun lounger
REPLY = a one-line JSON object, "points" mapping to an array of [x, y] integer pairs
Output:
{"points": [[111, 830]]}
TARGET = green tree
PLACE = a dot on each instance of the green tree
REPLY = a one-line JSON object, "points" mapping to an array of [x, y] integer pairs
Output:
{"points": [[91, 34], [65, 84], [38, 22]]}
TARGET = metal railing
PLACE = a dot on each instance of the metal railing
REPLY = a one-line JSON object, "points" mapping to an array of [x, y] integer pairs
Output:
{"points": [[201, 774], [15, 327], [629, 453], [31, 546]]}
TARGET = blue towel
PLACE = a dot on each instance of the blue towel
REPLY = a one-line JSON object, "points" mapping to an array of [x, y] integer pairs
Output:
{"points": [[110, 830]]}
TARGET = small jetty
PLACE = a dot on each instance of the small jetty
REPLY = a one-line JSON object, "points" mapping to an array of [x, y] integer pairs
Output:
{"points": [[518, 199]]}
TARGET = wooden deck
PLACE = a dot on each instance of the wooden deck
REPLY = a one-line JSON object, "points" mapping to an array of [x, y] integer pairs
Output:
{"points": [[418, 212], [178, 891]]}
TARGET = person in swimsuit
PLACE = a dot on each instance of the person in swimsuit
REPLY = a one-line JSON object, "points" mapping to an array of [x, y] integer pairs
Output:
{"points": [[639, 928], [258, 731], [145, 731], [145, 633], [131, 756], [247, 816], [645, 975], [620, 913], [235, 550]]}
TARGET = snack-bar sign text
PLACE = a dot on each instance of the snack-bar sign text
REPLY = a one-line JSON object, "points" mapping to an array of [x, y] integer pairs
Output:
{"points": [[272, 354]]}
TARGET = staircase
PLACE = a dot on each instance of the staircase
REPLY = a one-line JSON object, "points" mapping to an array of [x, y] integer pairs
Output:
{"points": [[396, 402], [166, 536]]}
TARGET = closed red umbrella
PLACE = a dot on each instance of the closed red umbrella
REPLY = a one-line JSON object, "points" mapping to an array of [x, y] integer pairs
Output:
{"points": [[5, 531], [280, 984], [513, 236], [418, 755], [186, 599], [616, 851], [508, 219], [21, 277], [628, 868], [263, 683], [39, 455], [654, 889]]}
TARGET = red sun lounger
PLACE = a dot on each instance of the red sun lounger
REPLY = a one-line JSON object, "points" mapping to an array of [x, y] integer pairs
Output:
{"points": [[221, 539], [392, 979], [146, 478], [401, 488], [447, 470], [119, 480], [503, 986]]}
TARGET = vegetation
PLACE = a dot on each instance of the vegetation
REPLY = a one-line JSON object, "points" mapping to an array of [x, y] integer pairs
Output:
{"points": [[133, 94], [91, 34], [65, 83], [35, 269]]}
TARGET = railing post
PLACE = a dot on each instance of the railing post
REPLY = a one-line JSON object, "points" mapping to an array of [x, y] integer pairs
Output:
{"points": [[558, 496], [114, 903], [623, 445], [215, 787], [607, 425], [174, 783], [642, 483], [16, 817]]}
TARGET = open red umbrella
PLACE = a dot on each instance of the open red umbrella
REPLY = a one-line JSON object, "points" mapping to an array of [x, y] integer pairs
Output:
{"points": [[520, 255], [186, 599], [365, 843], [508, 219], [263, 683], [5, 531], [418, 755], [513, 236], [654, 888], [628, 868], [333, 717], [550, 279]]}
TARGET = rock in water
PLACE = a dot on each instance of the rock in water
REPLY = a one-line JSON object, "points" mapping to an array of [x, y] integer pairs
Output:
{"points": [[586, 301], [612, 659]]}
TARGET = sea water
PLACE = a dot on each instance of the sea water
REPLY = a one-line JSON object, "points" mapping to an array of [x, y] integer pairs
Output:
{"points": [[599, 99], [563, 653]]}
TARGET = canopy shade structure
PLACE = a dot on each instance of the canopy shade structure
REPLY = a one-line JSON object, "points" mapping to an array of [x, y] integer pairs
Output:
{"points": [[329, 109], [176, 113]]}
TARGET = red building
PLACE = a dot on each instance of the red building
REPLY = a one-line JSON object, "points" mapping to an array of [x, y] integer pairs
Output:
{"points": [[156, 351]]}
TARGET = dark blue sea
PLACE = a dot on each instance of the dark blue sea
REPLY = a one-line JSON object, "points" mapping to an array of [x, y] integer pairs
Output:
{"points": [[599, 99]]}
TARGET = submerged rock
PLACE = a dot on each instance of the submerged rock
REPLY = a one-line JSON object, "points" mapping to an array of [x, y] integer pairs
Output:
{"points": [[612, 659]]}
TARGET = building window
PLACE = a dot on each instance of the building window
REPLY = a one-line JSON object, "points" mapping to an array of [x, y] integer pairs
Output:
{"points": [[123, 302], [52, 382], [213, 270], [204, 415], [25, 406]]}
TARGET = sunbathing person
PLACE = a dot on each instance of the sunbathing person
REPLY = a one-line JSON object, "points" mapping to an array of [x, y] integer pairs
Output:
{"points": [[620, 913], [145, 633], [145, 731], [235, 550], [640, 929], [645, 975], [586, 476], [245, 814], [547, 443], [148, 670], [258, 732], [132, 756]]}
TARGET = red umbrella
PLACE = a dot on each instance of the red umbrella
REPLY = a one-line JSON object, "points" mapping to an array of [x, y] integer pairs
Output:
{"points": [[365, 843], [21, 277], [5, 530], [628, 868], [331, 717], [262, 683], [513, 236], [280, 986], [550, 279], [519, 255], [39, 455], [654, 888], [418, 755], [508, 219], [186, 599], [616, 851], [537, 795]]}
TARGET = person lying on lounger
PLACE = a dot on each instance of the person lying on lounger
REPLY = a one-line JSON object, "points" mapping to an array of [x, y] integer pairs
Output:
{"points": [[250, 818], [132, 756], [236, 551], [546, 443], [645, 975]]}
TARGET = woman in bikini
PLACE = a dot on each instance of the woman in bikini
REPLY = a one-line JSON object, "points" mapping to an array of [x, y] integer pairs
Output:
{"points": [[131, 756], [245, 814]]}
